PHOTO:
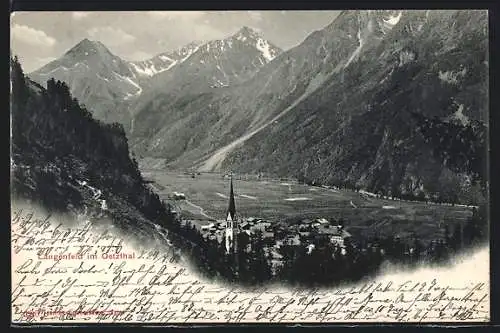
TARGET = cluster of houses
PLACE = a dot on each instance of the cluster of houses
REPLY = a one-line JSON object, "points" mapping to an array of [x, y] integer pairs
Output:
{"points": [[308, 233]]}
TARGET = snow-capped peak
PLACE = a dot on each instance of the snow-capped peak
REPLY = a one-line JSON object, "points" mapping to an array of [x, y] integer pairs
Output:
{"points": [[164, 61], [267, 52], [254, 38]]}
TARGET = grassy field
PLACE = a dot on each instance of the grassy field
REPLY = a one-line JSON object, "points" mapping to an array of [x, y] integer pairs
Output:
{"points": [[277, 200]]}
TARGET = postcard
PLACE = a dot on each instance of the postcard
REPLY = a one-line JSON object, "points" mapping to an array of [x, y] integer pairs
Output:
{"points": [[182, 167]]}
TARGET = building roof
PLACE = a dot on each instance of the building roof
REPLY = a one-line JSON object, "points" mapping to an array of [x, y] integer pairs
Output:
{"points": [[268, 234], [330, 230], [346, 234]]}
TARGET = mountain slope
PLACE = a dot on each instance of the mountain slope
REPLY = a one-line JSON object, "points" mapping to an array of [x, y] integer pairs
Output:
{"points": [[64, 160], [406, 117], [98, 78], [220, 63], [104, 82], [177, 98], [220, 116]]}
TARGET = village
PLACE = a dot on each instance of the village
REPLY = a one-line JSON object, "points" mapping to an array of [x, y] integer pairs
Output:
{"points": [[308, 233], [289, 240]]}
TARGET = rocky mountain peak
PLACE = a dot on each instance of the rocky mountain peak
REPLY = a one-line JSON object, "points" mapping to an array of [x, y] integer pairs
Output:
{"points": [[87, 47], [247, 33]]}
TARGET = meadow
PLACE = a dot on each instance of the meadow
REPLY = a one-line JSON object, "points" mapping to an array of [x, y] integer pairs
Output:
{"points": [[288, 201]]}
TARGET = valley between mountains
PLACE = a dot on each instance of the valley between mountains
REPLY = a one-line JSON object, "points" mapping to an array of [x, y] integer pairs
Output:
{"points": [[391, 102]]}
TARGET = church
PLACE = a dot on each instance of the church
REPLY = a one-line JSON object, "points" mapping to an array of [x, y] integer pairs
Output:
{"points": [[232, 227]]}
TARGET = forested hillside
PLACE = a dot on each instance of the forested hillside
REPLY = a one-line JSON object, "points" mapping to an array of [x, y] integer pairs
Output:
{"points": [[65, 160]]}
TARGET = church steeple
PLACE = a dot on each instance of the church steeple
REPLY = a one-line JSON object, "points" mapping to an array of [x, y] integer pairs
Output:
{"points": [[231, 211], [231, 223]]}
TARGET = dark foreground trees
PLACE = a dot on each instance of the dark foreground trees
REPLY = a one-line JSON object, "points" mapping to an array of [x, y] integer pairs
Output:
{"points": [[328, 264]]}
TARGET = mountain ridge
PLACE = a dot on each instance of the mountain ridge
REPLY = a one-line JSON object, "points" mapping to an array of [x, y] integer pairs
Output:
{"points": [[242, 109], [107, 83], [362, 72], [391, 126]]}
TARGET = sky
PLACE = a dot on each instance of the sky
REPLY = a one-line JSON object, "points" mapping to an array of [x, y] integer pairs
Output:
{"points": [[40, 37]]}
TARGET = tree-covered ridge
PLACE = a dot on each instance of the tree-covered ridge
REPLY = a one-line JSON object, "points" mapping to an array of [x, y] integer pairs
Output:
{"points": [[57, 145], [461, 147]]}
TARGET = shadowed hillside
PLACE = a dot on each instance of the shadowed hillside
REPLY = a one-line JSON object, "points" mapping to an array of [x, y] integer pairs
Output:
{"points": [[65, 160]]}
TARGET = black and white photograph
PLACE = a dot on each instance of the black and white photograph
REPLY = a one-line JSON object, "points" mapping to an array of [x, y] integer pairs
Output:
{"points": [[250, 166]]}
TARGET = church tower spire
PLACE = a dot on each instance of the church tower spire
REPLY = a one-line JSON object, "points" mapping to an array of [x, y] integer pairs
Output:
{"points": [[231, 211], [231, 222]]}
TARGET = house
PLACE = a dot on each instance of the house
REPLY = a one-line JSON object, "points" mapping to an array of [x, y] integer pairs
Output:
{"points": [[268, 234], [268, 238], [178, 196], [304, 235], [293, 240], [304, 227], [322, 221], [260, 227], [245, 226], [335, 234], [210, 226]]}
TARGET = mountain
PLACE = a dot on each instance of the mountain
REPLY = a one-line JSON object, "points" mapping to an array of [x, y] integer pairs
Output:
{"points": [[405, 115], [213, 69], [389, 101], [219, 63], [225, 117], [98, 78], [110, 85], [104, 82]]}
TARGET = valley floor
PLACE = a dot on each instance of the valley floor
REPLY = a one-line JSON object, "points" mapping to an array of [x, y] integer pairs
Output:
{"points": [[284, 200]]}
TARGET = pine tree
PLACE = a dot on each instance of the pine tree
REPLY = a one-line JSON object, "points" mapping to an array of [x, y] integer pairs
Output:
{"points": [[476, 227], [456, 240], [258, 262]]}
